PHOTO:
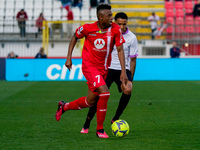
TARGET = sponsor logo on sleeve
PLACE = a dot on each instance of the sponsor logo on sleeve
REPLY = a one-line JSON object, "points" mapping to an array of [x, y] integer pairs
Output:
{"points": [[81, 29]]}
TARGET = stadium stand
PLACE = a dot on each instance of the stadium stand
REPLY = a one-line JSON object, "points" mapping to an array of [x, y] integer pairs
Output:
{"points": [[139, 11], [52, 11], [177, 14], [185, 28]]}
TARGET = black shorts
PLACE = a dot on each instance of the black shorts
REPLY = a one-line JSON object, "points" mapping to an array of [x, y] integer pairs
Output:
{"points": [[114, 76]]}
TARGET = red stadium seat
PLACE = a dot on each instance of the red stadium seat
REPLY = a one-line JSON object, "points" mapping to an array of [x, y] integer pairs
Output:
{"points": [[189, 29], [197, 24], [197, 18], [170, 20], [179, 13], [197, 21], [169, 13], [179, 5], [170, 29], [189, 20], [179, 21], [188, 10], [180, 29], [169, 4], [188, 5], [189, 17], [197, 29]]}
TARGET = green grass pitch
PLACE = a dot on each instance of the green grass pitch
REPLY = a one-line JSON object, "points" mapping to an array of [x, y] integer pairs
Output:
{"points": [[162, 115]]}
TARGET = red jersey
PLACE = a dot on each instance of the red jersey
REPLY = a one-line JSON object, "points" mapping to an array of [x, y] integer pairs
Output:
{"points": [[21, 15], [39, 22], [99, 44]]}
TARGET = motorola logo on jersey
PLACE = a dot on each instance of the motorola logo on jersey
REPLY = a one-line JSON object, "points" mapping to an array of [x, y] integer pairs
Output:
{"points": [[99, 43]]}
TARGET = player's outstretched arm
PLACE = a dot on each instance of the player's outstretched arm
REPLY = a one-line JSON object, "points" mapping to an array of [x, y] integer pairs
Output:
{"points": [[120, 51], [72, 43]]}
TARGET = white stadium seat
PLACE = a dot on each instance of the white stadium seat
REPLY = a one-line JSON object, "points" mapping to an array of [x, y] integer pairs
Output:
{"points": [[16, 11], [2, 4], [93, 14], [16, 29], [56, 18], [10, 0], [47, 4], [37, 12], [29, 13], [9, 13], [85, 14], [19, 1], [9, 4], [76, 13], [38, 5], [48, 17], [56, 4], [64, 12], [8, 29], [1, 13], [19, 4], [9, 22], [56, 12], [1, 29], [47, 13], [28, 4]]}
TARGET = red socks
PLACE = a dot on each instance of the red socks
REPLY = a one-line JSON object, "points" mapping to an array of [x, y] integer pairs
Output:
{"points": [[101, 109], [76, 104]]}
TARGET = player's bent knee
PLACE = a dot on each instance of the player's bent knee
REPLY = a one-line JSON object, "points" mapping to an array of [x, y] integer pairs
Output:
{"points": [[92, 98], [92, 103]]}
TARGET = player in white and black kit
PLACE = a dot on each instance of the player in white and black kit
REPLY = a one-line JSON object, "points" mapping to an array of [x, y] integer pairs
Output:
{"points": [[131, 52]]}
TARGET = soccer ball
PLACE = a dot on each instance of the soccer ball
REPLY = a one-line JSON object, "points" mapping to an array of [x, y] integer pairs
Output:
{"points": [[120, 128]]}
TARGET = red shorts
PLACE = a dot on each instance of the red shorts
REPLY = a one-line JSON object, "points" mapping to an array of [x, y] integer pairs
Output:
{"points": [[95, 77]]}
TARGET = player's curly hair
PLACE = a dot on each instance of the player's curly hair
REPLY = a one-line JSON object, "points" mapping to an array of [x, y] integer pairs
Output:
{"points": [[103, 6], [121, 15]]}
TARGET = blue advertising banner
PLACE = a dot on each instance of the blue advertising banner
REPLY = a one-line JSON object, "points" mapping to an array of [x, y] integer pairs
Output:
{"points": [[168, 69], [55, 70], [2, 68], [42, 70]]}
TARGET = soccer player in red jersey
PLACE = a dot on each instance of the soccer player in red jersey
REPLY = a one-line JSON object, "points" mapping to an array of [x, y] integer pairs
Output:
{"points": [[131, 52], [100, 38]]}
